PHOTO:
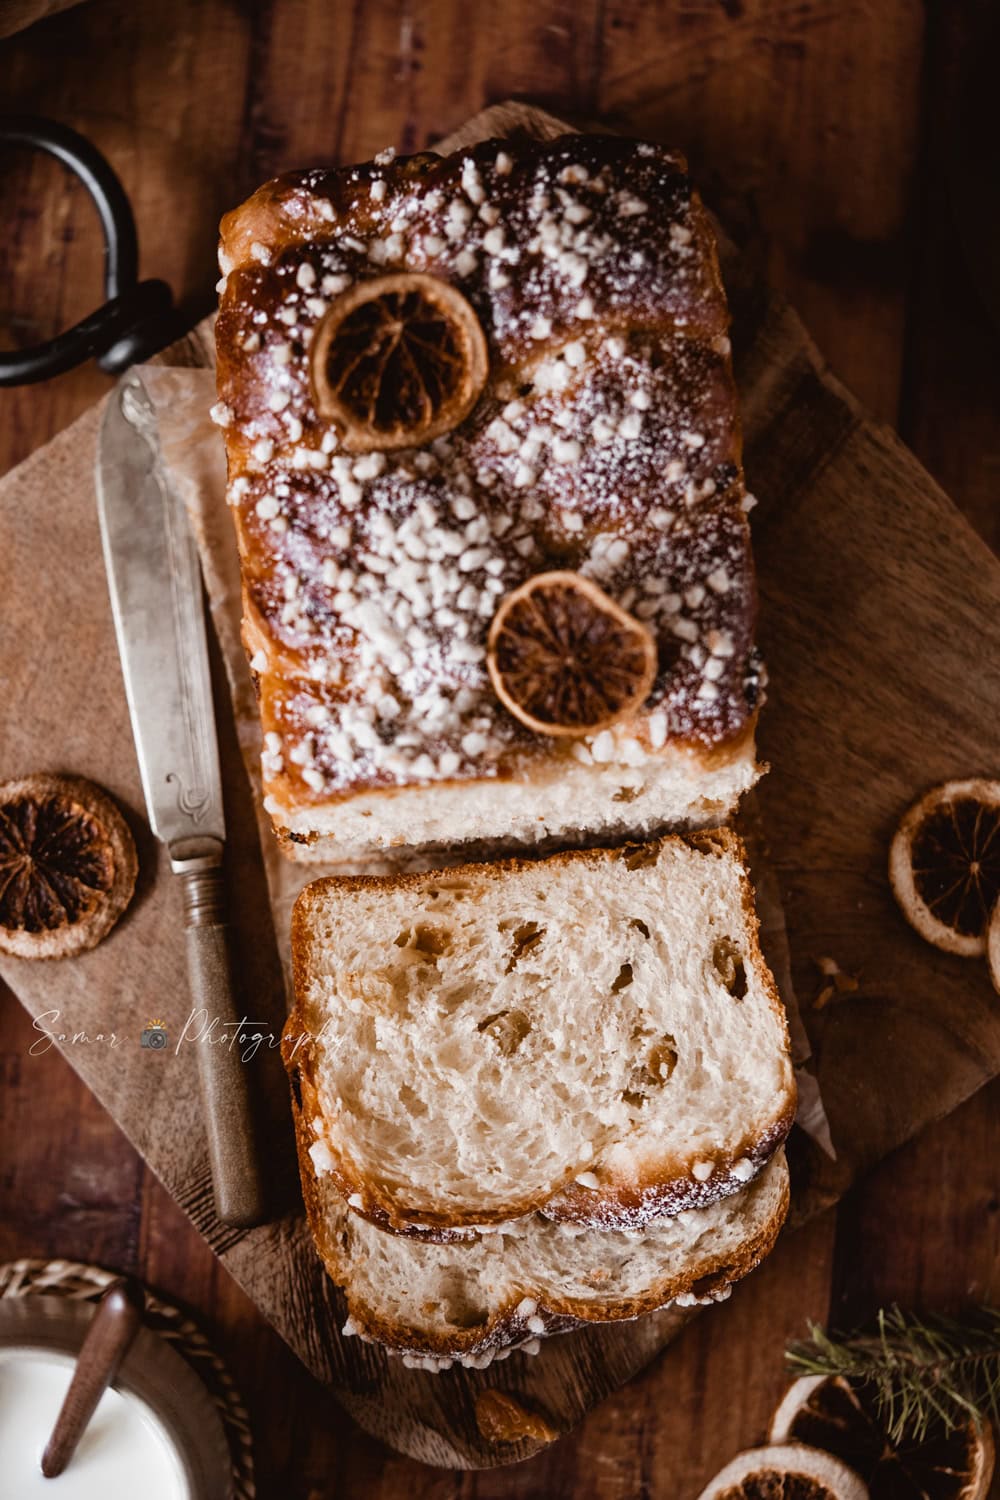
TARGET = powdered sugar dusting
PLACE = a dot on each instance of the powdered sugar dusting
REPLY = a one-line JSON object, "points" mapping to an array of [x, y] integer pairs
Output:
{"points": [[604, 442]]}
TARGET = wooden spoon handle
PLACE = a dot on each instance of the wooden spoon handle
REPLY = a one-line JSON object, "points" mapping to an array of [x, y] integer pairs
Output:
{"points": [[114, 1325]]}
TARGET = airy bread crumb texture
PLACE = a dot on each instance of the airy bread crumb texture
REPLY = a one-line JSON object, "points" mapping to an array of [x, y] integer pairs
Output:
{"points": [[477, 1300], [594, 1035]]}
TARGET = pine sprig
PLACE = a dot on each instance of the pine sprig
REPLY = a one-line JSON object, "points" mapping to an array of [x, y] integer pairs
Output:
{"points": [[919, 1370]]}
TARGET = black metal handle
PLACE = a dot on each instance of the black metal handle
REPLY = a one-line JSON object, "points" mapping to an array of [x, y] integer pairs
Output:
{"points": [[136, 319]]}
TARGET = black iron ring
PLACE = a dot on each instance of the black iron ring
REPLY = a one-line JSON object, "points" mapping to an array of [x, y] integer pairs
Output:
{"points": [[136, 319]]}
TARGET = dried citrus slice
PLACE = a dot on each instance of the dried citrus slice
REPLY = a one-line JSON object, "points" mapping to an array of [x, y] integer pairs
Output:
{"points": [[944, 864], [993, 947], [397, 361], [565, 659], [67, 866], [830, 1413], [785, 1471]]}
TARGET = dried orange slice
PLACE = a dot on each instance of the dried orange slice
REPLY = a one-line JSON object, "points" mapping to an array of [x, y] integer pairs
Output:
{"points": [[397, 361], [565, 659], [785, 1471], [67, 866], [829, 1412], [944, 864]]}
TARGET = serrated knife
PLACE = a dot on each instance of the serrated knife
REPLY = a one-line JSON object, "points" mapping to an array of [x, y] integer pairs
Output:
{"points": [[154, 579]]}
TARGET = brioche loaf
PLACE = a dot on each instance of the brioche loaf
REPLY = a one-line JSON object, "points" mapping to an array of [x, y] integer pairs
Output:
{"points": [[594, 1036], [553, 1090], [605, 441]]}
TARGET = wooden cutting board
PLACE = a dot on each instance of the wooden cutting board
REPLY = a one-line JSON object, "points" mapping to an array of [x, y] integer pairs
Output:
{"points": [[880, 621]]}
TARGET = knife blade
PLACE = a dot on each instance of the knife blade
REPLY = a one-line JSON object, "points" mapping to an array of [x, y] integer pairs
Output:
{"points": [[154, 580]]}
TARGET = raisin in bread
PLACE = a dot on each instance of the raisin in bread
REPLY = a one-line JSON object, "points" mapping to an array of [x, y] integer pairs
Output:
{"points": [[605, 441], [594, 1036]]}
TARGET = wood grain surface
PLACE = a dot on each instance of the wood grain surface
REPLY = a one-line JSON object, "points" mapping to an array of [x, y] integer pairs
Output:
{"points": [[816, 125]]}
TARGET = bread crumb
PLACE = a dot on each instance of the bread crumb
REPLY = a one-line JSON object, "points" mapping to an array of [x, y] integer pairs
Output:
{"points": [[321, 1157], [501, 1419]]}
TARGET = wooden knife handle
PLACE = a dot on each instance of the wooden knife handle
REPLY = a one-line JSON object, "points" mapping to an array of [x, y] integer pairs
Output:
{"points": [[236, 1178]]}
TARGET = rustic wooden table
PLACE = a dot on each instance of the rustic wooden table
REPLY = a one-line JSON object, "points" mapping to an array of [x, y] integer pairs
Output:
{"points": [[821, 132]]}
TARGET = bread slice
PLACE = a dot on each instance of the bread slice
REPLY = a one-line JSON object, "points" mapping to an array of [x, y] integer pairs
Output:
{"points": [[548, 802], [594, 1036], [476, 1299]]}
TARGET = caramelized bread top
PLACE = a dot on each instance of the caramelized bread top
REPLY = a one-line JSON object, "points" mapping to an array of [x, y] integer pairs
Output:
{"points": [[606, 441]]}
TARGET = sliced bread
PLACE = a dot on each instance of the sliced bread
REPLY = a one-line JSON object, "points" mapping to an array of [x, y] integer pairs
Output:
{"points": [[473, 1299], [594, 1036]]}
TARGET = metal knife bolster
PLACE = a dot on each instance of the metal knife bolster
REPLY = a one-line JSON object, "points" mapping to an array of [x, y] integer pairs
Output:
{"points": [[199, 864]]}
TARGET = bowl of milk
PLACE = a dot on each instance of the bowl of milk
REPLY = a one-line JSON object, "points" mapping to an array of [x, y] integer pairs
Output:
{"points": [[156, 1433]]}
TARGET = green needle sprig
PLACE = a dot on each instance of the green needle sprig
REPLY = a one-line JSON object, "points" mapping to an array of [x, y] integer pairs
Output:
{"points": [[920, 1371]]}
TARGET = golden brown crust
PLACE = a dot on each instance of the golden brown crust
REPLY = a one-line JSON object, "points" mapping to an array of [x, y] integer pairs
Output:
{"points": [[473, 850], [668, 496], [516, 768], [666, 1186]]}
